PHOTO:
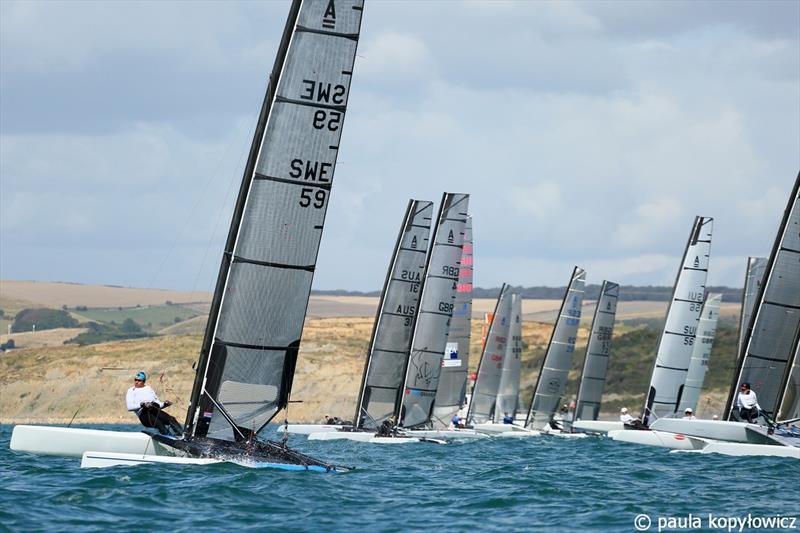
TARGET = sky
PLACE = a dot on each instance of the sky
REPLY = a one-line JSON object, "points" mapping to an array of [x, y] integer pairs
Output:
{"points": [[587, 133]]}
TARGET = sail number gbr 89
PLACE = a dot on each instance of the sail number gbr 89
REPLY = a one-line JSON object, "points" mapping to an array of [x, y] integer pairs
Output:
{"points": [[323, 119]]}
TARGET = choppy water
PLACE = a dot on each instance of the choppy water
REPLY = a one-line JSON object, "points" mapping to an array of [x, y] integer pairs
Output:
{"points": [[536, 484]]}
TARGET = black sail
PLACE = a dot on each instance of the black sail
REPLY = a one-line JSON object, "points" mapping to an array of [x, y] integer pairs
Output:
{"points": [[248, 357], [774, 328], [384, 371]]}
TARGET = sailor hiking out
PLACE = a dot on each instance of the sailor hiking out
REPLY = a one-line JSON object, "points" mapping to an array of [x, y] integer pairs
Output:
{"points": [[142, 400], [747, 403]]}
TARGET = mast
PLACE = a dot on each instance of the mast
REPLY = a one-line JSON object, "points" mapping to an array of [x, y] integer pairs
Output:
{"points": [[392, 330], [552, 379], [490, 366], [598, 349], [676, 343], [252, 339], [773, 328], [438, 290]]}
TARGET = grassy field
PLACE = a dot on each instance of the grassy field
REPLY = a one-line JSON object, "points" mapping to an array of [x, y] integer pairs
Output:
{"points": [[150, 318]]}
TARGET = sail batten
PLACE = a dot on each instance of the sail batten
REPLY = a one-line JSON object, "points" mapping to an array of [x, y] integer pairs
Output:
{"points": [[598, 348], [552, 379], [677, 339], [252, 340]]}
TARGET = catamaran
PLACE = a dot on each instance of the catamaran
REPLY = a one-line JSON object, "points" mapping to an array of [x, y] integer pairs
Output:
{"points": [[420, 367], [247, 360], [595, 363], [552, 379]]}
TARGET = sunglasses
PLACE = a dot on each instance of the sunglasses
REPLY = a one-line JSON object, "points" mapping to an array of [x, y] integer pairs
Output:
{"points": [[138, 380]]}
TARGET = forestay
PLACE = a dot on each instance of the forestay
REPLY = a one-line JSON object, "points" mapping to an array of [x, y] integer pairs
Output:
{"points": [[703, 343], [772, 335], [394, 324], [508, 389], [756, 268], [455, 363], [677, 339], [598, 349], [552, 378], [490, 367], [253, 335], [435, 310]]}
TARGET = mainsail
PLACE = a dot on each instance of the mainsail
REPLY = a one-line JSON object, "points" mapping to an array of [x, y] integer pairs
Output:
{"points": [[598, 348], [248, 356], [756, 267], [490, 367], [387, 356], [552, 378], [703, 342], [677, 340], [455, 364], [435, 310], [772, 335], [508, 389]]}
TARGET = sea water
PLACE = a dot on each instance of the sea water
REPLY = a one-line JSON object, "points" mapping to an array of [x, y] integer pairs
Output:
{"points": [[534, 484]]}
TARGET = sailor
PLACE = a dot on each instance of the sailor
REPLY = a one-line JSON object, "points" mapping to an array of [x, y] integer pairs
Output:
{"points": [[142, 400], [456, 421], [387, 428], [629, 420], [747, 403], [688, 414], [508, 419], [329, 419]]}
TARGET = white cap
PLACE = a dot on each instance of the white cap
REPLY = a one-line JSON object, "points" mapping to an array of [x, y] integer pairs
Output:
{"points": [[688, 410], [623, 410]]}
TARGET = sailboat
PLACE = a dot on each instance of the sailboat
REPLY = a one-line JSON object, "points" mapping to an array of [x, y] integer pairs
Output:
{"points": [[247, 360], [490, 367], [451, 393], [419, 365], [552, 379], [703, 343], [769, 360], [598, 350]]}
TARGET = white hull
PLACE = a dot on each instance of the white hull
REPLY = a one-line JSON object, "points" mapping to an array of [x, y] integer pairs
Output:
{"points": [[740, 449], [493, 429], [73, 442], [597, 426], [710, 429], [308, 429], [92, 459], [524, 434], [675, 441], [563, 435], [447, 434], [360, 436]]}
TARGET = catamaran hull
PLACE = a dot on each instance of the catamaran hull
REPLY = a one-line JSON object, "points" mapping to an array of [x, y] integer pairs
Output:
{"points": [[739, 449], [307, 429], [597, 426], [92, 459], [446, 434], [661, 439], [73, 442], [493, 429], [361, 436], [710, 429]]}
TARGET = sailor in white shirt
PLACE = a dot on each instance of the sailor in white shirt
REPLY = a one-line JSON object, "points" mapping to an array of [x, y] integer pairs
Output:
{"points": [[688, 414], [747, 403], [629, 420], [142, 400]]}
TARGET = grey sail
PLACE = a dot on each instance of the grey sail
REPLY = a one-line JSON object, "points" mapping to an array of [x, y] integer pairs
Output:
{"points": [[756, 267], [490, 367], [455, 364], [775, 325], [250, 348], [677, 339], [703, 343], [552, 378], [508, 389], [387, 355], [435, 310], [790, 403], [598, 349]]}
